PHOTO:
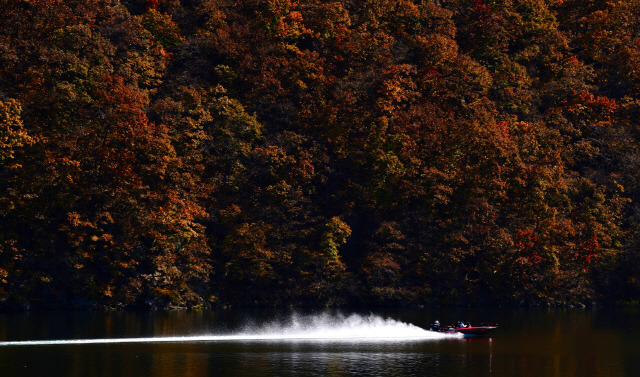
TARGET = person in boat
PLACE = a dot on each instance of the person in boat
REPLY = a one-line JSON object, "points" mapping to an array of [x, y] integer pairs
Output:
{"points": [[461, 325], [435, 325]]}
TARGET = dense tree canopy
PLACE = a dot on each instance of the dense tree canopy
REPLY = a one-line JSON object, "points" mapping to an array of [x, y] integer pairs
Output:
{"points": [[173, 153]]}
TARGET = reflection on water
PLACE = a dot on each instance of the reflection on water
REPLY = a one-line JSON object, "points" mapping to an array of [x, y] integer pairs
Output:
{"points": [[563, 343]]}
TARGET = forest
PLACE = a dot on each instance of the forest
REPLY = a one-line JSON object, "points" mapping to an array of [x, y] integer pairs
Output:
{"points": [[216, 153]]}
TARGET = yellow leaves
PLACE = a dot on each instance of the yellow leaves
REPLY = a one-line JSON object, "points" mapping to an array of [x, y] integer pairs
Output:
{"points": [[336, 234], [12, 133], [241, 125]]}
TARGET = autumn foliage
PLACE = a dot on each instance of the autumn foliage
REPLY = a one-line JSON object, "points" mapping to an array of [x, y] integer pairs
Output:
{"points": [[166, 153]]}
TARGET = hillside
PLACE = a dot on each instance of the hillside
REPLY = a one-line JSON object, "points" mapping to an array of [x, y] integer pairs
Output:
{"points": [[195, 153]]}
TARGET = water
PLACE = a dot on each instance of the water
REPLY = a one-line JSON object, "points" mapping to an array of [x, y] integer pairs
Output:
{"points": [[312, 328], [598, 342]]}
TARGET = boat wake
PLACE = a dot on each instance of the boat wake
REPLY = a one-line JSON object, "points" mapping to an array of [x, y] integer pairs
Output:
{"points": [[314, 328]]}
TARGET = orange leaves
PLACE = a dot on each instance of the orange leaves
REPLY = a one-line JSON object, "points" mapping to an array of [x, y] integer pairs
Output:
{"points": [[295, 168], [75, 221], [503, 128], [126, 104], [176, 216], [607, 37], [249, 241], [572, 60], [125, 132], [229, 216], [381, 268], [397, 89], [43, 3], [295, 16], [110, 194]]}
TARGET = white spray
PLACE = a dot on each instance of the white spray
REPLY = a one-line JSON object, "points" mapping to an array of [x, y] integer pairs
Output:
{"points": [[297, 328]]}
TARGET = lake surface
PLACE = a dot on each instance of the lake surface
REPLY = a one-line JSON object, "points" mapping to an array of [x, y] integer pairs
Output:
{"points": [[562, 342]]}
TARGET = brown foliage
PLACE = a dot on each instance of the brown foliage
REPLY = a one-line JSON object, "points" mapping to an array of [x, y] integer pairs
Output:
{"points": [[165, 153]]}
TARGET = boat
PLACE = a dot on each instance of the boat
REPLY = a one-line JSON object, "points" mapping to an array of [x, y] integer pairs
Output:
{"points": [[465, 329]]}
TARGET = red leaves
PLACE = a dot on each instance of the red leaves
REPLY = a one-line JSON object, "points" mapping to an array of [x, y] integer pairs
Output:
{"points": [[483, 17], [153, 4], [480, 9], [587, 105], [287, 22], [503, 127], [587, 112], [525, 240], [432, 73], [525, 243], [587, 252]]}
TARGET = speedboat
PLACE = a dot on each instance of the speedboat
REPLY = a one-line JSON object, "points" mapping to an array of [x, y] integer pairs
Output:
{"points": [[466, 329]]}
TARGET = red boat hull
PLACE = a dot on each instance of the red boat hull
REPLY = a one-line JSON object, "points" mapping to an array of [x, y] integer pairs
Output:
{"points": [[471, 330]]}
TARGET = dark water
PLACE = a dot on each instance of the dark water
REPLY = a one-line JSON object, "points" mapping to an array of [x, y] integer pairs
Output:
{"points": [[576, 342]]}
